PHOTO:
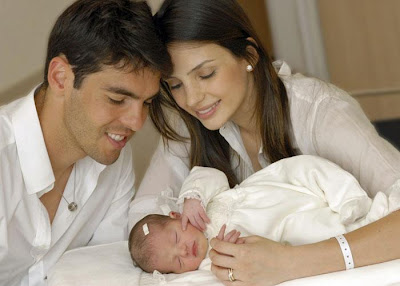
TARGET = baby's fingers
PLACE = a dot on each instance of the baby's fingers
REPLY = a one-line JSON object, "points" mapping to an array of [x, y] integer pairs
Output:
{"points": [[221, 233], [204, 216], [200, 223], [240, 240], [232, 236], [185, 220], [235, 237]]}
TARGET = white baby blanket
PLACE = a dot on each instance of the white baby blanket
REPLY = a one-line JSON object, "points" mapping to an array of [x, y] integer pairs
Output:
{"points": [[302, 199]]}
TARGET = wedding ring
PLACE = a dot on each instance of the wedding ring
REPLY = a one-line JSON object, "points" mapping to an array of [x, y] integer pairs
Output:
{"points": [[230, 275]]}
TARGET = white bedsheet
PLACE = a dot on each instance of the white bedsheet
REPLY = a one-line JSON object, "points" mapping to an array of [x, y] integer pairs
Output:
{"points": [[111, 265]]}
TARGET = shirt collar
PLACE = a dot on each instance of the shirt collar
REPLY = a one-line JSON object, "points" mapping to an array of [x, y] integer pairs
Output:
{"points": [[282, 68], [33, 157]]}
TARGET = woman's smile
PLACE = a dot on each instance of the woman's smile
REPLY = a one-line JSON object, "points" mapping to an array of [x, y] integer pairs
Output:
{"points": [[207, 112]]}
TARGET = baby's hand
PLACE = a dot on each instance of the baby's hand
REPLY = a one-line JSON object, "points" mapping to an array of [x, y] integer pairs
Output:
{"points": [[195, 213], [232, 236]]}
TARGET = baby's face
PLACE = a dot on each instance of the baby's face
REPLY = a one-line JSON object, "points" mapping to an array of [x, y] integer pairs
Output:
{"points": [[179, 251]]}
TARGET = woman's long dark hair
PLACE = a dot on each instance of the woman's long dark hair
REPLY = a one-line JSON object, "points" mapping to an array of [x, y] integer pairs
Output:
{"points": [[223, 22]]}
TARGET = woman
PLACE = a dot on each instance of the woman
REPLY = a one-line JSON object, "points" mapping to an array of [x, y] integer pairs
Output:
{"points": [[242, 113]]}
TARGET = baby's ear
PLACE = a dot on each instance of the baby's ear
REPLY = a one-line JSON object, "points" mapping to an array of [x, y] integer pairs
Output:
{"points": [[174, 215]]}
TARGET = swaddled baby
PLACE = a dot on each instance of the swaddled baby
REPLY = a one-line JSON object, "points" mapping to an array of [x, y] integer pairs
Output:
{"points": [[298, 200]]}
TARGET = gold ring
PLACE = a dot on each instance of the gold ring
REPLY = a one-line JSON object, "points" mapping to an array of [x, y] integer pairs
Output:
{"points": [[230, 275]]}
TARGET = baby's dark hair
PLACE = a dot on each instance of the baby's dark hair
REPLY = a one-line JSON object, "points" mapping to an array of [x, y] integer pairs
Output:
{"points": [[141, 246]]}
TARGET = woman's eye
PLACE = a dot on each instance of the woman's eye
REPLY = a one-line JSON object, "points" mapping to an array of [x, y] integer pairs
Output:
{"points": [[208, 75]]}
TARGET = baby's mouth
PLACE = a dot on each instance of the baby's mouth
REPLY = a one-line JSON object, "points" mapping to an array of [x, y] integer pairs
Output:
{"points": [[194, 249]]}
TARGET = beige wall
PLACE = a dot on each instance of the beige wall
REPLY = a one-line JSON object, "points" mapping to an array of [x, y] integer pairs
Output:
{"points": [[353, 44], [362, 44], [24, 29]]}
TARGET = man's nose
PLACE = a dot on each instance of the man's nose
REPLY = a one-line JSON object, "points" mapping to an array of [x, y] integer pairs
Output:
{"points": [[135, 117]]}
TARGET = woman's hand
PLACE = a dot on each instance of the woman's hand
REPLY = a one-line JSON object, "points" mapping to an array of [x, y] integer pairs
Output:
{"points": [[194, 212], [255, 261]]}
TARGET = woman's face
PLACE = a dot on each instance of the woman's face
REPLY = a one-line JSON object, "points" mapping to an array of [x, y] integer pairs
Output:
{"points": [[211, 84]]}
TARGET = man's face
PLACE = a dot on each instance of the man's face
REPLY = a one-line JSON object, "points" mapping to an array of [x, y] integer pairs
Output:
{"points": [[104, 113], [179, 251]]}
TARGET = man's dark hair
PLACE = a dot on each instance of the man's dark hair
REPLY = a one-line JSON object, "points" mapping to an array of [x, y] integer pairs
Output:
{"points": [[96, 33]]}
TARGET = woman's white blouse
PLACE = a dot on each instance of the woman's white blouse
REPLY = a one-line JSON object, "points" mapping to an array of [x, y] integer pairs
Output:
{"points": [[326, 122]]}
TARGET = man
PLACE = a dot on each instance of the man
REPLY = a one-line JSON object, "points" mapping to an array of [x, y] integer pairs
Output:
{"points": [[66, 179]]}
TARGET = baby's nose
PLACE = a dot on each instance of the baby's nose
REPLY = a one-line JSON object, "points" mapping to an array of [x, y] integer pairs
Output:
{"points": [[183, 250]]}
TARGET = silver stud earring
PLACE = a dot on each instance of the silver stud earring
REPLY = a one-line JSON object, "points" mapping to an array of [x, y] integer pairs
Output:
{"points": [[249, 68]]}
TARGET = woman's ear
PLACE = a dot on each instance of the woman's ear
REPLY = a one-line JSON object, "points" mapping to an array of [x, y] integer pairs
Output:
{"points": [[252, 50], [174, 215], [59, 72]]}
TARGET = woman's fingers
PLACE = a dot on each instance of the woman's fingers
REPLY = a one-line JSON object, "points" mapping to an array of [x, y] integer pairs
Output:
{"points": [[222, 260], [224, 247], [223, 275]]}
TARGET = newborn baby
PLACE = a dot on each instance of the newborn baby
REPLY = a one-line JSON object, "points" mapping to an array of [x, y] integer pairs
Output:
{"points": [[157, 242], [298, 200]]}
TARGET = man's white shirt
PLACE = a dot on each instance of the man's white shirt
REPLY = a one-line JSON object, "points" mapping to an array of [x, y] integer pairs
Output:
{"points": [[29, 244]]}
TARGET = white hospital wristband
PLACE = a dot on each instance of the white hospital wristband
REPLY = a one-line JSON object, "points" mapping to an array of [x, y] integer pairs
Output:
{"points": [[347, 256]]}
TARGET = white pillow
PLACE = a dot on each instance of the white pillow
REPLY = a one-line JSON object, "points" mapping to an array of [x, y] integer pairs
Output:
{"points": [[111, 265], [98, 265]]}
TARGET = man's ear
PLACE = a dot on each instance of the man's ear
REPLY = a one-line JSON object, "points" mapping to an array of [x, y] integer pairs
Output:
{"points": [[174, 215], [252, 51], [59, 73]]}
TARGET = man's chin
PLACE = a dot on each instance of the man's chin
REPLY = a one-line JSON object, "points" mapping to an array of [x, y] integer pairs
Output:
{"points": [[107, 159]]}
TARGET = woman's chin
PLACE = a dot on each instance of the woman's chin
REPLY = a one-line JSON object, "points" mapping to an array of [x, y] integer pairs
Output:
{"points": [[212, 124]]}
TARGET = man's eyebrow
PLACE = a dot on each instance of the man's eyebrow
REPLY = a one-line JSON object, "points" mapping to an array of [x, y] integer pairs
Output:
{"points": [[122, 91]]}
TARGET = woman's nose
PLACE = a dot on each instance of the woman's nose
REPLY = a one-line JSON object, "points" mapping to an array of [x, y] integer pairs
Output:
{"points": [[194, 96]]}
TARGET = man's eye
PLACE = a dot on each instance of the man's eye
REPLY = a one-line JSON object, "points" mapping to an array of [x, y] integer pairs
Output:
{"points": [[114, 101]]}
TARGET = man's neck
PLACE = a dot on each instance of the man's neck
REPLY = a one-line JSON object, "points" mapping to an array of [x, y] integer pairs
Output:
{"points": [[62, 153]]}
